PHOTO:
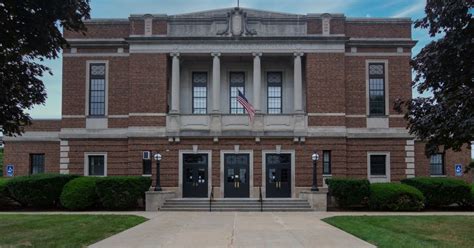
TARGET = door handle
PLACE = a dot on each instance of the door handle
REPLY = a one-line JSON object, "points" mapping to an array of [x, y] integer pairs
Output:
{"points": [[238, 184]]}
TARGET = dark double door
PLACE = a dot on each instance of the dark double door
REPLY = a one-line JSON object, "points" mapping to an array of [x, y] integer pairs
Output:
{"points": [[236, 175], [278, 175], [195, 175]]}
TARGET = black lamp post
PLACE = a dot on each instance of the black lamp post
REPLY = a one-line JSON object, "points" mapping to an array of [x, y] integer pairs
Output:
{"points": [[315, 158], [158, 159]]}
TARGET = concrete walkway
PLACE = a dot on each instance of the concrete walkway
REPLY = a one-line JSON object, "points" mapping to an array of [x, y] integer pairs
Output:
{"points": [[237, 229], [233, 229]]}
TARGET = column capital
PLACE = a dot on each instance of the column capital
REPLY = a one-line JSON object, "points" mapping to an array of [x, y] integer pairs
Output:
{"points": [[257, 54], [298, 54], [174, 54], [215, 54]]}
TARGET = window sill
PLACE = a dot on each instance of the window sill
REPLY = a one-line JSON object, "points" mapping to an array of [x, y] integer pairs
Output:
{"points": [[438, 175], [378, 176], [146, 175], [96, 116], [327, 175], [377, 116]]}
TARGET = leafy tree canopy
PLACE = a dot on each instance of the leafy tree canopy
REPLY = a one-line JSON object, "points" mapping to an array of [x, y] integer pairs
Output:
{"points": [[445, 68], [29, 33]]}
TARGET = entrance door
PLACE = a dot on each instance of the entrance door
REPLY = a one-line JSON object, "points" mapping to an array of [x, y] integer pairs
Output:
{"points": [[195, 171], [278, 175], [236, 175]]}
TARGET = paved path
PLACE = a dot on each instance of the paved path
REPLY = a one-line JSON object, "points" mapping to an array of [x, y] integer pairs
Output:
{"points": [[233, 229]]}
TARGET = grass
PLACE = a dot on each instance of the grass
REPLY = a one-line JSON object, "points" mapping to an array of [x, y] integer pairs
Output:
{"points": [[61, 230], [409, 231]]}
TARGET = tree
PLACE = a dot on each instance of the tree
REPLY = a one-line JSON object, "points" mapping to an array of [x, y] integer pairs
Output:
{"points": [[30, 32], [445, 68]]}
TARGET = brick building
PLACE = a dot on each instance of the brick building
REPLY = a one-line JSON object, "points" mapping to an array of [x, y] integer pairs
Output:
{"points": [[159, 83]]}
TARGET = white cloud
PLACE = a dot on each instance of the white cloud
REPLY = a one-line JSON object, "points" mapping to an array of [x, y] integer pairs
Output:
{"points": [[410, 10]]}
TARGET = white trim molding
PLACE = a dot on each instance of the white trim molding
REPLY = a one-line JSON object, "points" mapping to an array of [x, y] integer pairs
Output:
{"points": [[252, 193], [86, 162], [180, 170], [264, 168], [410, 158], [379, 178]]}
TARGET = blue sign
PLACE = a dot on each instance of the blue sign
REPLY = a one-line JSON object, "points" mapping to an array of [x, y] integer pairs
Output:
{"points": [[458, 170], [10, 170]]}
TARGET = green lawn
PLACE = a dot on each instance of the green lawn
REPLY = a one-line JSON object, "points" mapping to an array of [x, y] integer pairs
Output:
{"points": [[61, 230], [409, 231]]}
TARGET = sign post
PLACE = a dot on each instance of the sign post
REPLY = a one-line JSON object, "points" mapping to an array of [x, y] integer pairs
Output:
{"points": [[458, 170], [10, 170]]}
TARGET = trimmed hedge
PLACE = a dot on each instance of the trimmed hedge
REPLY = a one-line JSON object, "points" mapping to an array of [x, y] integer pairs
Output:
{"points": [[349, 192], [395, 197], [80, 193], [121, 192], [40, 190], [472, 194], [441, 192], [3, 188]]}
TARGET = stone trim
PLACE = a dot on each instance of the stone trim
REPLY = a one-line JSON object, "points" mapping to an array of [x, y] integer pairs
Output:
{"points": [[96, 54], [86, 162], [180, 169], [378, 179], [236, 151], [264, 168], [64, 157], [410, 158], [378, 54]]}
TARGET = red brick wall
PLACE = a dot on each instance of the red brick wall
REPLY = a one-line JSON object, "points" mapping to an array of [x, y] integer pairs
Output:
{"points": [[18, 154], [74, 85], [422, 163], [148, 83], [378, 30], [314, 26], [160, 27], [337, 26], [325, 87], [357, 150], [103, 30], [44, 126], [137, 27]]}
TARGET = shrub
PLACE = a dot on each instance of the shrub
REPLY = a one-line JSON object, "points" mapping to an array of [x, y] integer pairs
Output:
{"points": [[40, 190], [395, 197], [80, 193], [121, 192], [349, 192], [441, 192], [472, 194], [3, 188]]}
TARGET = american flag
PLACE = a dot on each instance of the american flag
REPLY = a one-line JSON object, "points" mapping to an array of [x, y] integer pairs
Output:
{"points": [[245, 103]]}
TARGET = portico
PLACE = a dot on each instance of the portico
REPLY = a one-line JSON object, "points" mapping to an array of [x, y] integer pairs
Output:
{"points": [[272, 83]]}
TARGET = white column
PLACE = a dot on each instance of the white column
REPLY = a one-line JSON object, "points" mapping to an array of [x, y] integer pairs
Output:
{"points": [[298, 83], [175, 83], [216, 82], [257, 81]]}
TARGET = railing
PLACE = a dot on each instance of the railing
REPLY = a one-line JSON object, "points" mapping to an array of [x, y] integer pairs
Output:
{"points": [[211, 197], [261, 200]]}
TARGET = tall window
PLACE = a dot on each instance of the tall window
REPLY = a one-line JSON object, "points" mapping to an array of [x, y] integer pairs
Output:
{"points": [[376, 89], [37, 163], [437, 164], [274, 84], [97, 89], [378, 165], [237, 83], [199, 92], [96, 165], [327, 162]]}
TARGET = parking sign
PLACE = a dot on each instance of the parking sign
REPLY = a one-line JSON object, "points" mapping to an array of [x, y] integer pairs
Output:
{"points": [[458, 169], [10, 170]]}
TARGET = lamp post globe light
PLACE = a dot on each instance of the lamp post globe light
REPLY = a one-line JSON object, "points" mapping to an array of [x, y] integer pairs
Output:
{"points": [[315, 158], [157, 157]]}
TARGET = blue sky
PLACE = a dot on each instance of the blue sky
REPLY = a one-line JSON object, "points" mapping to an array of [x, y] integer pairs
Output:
{"points": [[123, 8]]}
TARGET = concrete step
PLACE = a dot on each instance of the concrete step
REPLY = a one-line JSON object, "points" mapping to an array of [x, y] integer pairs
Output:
{"points": [[236, 204]]}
